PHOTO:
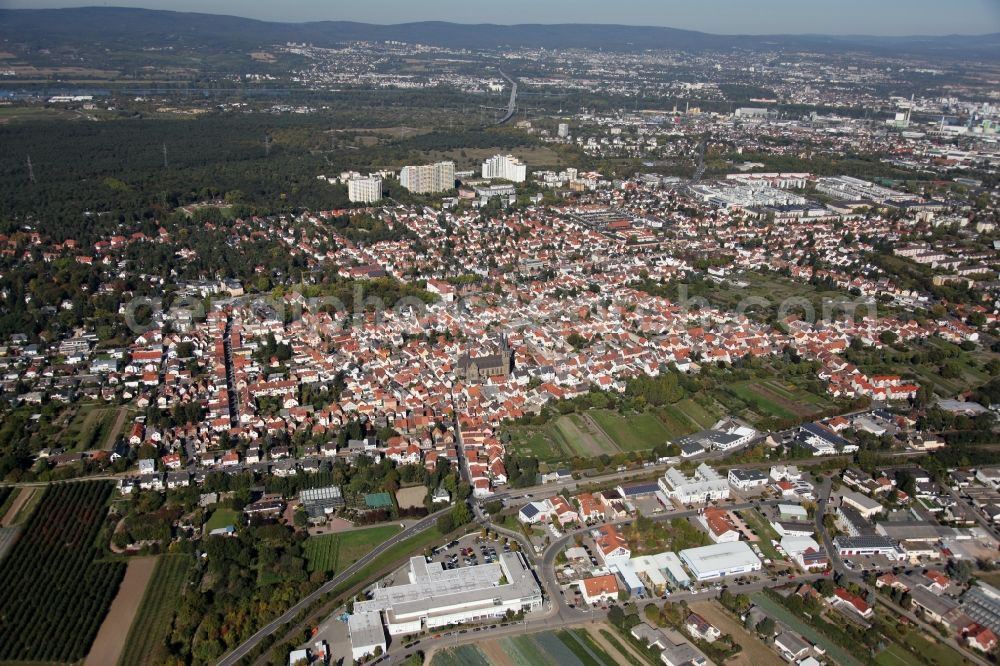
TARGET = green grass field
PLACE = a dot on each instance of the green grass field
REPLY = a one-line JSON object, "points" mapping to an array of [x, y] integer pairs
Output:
{"points": [[626, 655], [29, 505], [415, 544], [539, 442], [933, 652], [697, 413], [221, 518], [335, 552], [635, 432], [145, 643], [676, 423], [896, 655]]}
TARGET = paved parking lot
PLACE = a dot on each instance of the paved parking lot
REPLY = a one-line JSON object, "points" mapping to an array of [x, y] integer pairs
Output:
{"points": [[469, 551]]}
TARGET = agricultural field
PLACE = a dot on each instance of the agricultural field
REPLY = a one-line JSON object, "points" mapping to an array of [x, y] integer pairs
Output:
{"points": [[634, 432], [51, 584], [110, 641], [336, 552], [571, 647], [146, 636], [597, 432], [7, 496], [933, 652], [581, 435], [537, 442], [20, 506], [91, 427], [778, 399], [838, 654]]}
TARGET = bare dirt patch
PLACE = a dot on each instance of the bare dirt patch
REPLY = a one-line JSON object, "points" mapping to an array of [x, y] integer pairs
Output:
{"points": [[116, 428], [754, 652], [494, 653], [22, 498], [110, 641], [412, 497]]}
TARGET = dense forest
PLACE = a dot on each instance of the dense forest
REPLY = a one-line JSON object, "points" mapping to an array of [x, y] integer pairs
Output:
{"points": [[90, 178]]}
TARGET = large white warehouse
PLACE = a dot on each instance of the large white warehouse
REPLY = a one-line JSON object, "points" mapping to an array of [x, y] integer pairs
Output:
{"points": [[437, 597], [720, 559]]}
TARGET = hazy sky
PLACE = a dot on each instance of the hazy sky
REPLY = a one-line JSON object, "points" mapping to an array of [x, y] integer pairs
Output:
{"points": [[882, 17]]}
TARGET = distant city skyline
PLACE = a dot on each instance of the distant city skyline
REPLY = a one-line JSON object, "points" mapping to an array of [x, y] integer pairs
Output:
{"points": [[840, 17]]}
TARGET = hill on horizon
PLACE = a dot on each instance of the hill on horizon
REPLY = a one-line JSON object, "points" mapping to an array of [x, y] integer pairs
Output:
{"points": [[109, 25]]}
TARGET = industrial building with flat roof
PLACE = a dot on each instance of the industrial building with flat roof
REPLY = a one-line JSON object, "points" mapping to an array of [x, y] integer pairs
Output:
{"points": [[867, 545], [367, 634], [720, 559], [745, 479], [437, 597], [703, 486]]}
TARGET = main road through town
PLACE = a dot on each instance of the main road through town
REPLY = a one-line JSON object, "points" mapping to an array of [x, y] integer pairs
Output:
{"points": [[236, 655]]}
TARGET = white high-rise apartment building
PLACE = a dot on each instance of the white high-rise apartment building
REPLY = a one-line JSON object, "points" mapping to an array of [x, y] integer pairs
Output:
{"points": [[563, 130], [428, 178], [364, 190], [507, 167]]}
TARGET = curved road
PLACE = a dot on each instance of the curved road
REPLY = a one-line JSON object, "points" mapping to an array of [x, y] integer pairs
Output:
{"points": [[558, 615], [234, 657], [512, 104]]}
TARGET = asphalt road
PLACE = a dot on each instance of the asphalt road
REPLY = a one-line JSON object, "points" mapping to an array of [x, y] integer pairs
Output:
{"points": [[512, 104], [233, 657]]}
